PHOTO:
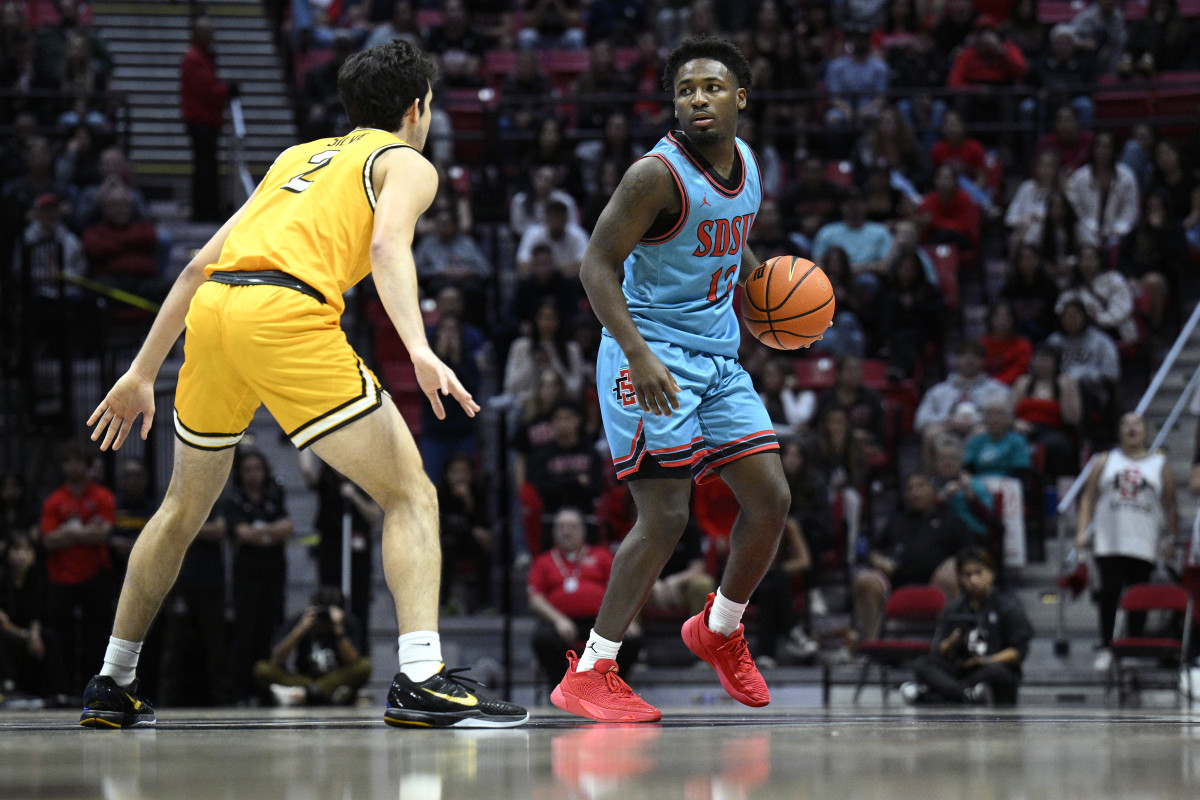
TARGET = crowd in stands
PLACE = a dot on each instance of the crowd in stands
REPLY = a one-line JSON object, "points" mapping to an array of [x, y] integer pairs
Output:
{"points": [[932, 158]]}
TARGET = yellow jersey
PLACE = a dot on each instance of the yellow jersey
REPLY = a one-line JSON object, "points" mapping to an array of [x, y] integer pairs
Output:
{"points": [[313, 214]]}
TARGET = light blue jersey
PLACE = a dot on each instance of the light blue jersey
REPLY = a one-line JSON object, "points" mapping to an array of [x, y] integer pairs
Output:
{"points": [[679, 288], [679, 285]]}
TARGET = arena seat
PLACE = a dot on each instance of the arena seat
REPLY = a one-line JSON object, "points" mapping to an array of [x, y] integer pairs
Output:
{"points": [[905, 633], [814, 374], [840, 173], [1052, 12], [497, 65]]}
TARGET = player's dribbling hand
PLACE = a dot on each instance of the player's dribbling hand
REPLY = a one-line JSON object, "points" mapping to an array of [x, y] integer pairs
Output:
{"points": [[131, 395], [653, 384], [437, 379]]}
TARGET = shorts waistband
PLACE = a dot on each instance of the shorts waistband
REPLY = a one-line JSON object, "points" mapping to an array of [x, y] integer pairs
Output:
{"points": [[267, 277]]}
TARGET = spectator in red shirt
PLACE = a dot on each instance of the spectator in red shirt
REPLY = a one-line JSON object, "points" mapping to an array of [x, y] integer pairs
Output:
{"points": [[966, 154], [202, 99], [121, 250], [1006, 352], [566, 587], [949, 215], [987, 59], [76, 520], [1069, 139]]}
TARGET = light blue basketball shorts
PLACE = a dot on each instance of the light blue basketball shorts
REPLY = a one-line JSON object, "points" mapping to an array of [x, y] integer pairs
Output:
{"points": [[720, 416]]}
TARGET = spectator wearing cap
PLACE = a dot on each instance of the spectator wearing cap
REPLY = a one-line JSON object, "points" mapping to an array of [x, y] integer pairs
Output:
{"points": [[1102, 32], [987, 59], [566, 238], [867, 244], [50, 254], [856, 83]]}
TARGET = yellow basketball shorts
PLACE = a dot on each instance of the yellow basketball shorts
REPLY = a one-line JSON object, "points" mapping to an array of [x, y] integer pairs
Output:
{"points": [[269, 345]]}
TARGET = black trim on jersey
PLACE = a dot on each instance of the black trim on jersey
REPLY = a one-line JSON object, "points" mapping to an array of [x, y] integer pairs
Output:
{"points": [[730, 187], [368, 189], [653, 235]]}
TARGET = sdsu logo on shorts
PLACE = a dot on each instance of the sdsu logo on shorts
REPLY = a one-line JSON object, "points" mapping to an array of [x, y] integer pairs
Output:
{"points": [[623, 390]]}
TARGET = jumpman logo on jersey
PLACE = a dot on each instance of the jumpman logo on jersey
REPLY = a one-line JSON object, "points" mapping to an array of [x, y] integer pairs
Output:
{"points": [[705, 202]]}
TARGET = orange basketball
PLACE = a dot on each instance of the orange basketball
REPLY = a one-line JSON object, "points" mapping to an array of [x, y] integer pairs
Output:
{"points": [[787, 303]]}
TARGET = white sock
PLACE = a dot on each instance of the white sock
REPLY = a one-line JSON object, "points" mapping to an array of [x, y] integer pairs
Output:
{"points": [[120, 660], [420, 654], [725, 615], [597, 647]]}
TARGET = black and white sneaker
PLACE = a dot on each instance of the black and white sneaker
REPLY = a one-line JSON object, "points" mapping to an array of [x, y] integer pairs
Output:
{"points": [[107, 705], [442, 701]]}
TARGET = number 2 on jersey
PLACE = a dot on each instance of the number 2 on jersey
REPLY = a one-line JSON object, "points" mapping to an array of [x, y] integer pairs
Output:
{"points": [[301, 182], [716, 279]]}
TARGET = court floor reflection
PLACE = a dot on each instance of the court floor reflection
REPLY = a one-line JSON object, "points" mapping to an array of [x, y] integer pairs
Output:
{"points": [[349, 755]]}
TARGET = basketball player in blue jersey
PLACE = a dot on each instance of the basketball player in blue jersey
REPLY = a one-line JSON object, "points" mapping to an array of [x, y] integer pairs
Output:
{"points": [[677, 406]]}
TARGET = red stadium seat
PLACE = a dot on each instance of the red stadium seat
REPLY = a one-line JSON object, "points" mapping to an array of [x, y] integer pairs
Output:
{"points": [[1128, 105], [1161, 651], [916, 609], [498, 64], [1052, 12], [840, 173], [814, 374]]}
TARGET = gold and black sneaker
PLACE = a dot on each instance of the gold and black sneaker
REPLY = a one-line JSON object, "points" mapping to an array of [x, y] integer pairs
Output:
{"points": [[443, 701], [107, 705]]}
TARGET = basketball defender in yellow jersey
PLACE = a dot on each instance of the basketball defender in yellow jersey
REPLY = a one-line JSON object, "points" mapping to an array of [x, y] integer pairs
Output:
{"points": [[261, 302]]}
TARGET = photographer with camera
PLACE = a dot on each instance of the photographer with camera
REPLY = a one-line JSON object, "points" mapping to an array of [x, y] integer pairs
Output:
{"points": [[327, 669], [980, 642]]}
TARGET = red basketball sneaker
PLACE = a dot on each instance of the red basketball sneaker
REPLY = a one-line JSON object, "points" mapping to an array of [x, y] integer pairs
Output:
{"points": [[729, 656], [600, 694]]}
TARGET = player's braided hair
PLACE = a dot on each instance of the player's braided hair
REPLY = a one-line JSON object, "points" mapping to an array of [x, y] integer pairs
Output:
{"points": [[379, 85], [708, 47]]}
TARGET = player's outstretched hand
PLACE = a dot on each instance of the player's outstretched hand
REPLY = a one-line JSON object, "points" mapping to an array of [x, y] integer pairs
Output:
{"points": [[437, 379], [653, 384], [114, 418]]}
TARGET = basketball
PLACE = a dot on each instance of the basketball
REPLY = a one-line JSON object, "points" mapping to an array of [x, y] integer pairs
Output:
{"points": [[787, 303]]}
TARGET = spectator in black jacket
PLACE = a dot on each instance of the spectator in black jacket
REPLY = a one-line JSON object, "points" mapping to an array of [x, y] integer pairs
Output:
{"points": [[566, 470], [980, 642], [915, 548]]}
